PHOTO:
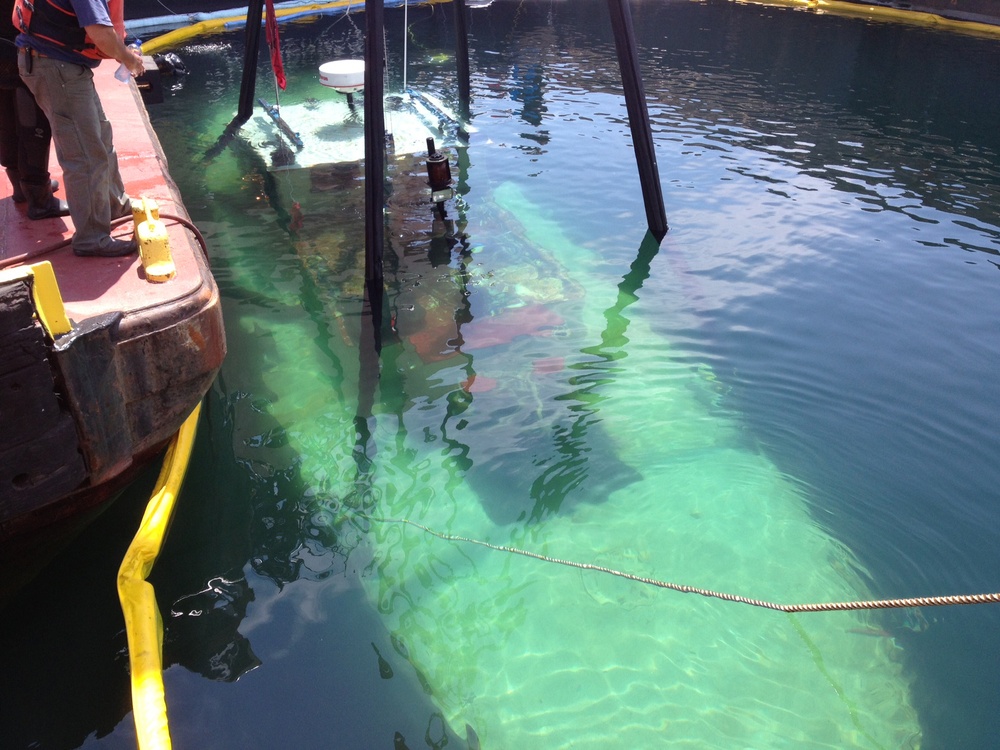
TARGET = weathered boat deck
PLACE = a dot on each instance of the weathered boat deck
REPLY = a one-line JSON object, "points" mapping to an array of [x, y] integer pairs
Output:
{"points": [[93, 285], [141, 356]]}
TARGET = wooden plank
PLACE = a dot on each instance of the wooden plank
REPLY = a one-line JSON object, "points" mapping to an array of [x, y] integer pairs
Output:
{"points": [[41, 471], [39, 449]]}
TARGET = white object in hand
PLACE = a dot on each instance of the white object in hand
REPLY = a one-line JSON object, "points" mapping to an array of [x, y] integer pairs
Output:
{"points": [[123, 73]]}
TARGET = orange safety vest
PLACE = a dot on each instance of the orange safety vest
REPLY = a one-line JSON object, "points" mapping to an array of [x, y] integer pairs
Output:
{"points": [[55, 22]]}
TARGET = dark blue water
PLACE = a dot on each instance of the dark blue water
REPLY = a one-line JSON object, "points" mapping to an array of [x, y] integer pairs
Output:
{"points": [[832, 188]]}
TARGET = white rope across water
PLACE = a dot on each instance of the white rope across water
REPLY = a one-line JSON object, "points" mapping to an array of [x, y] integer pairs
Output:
{"points": [[919, 601]]}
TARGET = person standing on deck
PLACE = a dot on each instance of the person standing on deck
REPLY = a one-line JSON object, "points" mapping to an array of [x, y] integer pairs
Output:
{"points": [[60, 43], [25, 135]]}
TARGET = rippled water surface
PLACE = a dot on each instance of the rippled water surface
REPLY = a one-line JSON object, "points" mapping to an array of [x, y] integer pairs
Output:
{"points": [[791, 399]]}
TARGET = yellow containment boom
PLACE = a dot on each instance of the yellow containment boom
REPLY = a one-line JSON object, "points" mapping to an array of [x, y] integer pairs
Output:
{"points": [[177, 37], [888, 13], [143, 624]]}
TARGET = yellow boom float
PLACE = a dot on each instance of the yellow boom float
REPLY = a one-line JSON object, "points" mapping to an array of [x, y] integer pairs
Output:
{"points": [[143, 624]]}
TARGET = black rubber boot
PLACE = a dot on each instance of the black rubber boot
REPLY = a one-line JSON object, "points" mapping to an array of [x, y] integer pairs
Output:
{"points": [[112, 248], [41, 203], [15, 182]]}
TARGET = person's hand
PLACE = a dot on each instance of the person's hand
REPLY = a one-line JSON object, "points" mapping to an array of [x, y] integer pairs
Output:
{"points": [[134, 63], [106, 39]]}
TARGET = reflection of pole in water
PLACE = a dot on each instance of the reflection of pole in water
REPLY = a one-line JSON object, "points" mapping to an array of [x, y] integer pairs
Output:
{"points": [[369, 375], [571, 442]]}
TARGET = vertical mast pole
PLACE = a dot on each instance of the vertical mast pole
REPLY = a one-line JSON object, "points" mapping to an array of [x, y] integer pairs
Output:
{"points": [[374, 162], [638, 117], [462, 59], [250, 56]]}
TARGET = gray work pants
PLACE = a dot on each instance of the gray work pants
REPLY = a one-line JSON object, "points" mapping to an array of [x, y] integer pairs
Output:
{"points": [[82, 135]]}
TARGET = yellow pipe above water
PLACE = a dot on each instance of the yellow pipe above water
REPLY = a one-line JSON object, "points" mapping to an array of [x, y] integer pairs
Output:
{"points": [[885, 13], [837, 7], [216, 25], [143, 624]]}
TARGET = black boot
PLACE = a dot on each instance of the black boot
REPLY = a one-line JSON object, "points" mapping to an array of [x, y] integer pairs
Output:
{"points": [[41, 203], [15, 182]]}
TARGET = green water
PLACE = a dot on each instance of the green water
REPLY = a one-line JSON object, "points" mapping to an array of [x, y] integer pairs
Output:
{"points": [[530, 654], [529, 398], [527, 401], [788, 400]]}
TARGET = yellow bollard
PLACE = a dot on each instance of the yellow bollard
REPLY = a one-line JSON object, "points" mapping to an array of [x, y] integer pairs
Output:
{"points": [[154, 245]]}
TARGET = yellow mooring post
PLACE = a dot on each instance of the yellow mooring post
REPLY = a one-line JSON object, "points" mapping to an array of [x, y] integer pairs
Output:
{"points": [[154, 243], [143, 624]]}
